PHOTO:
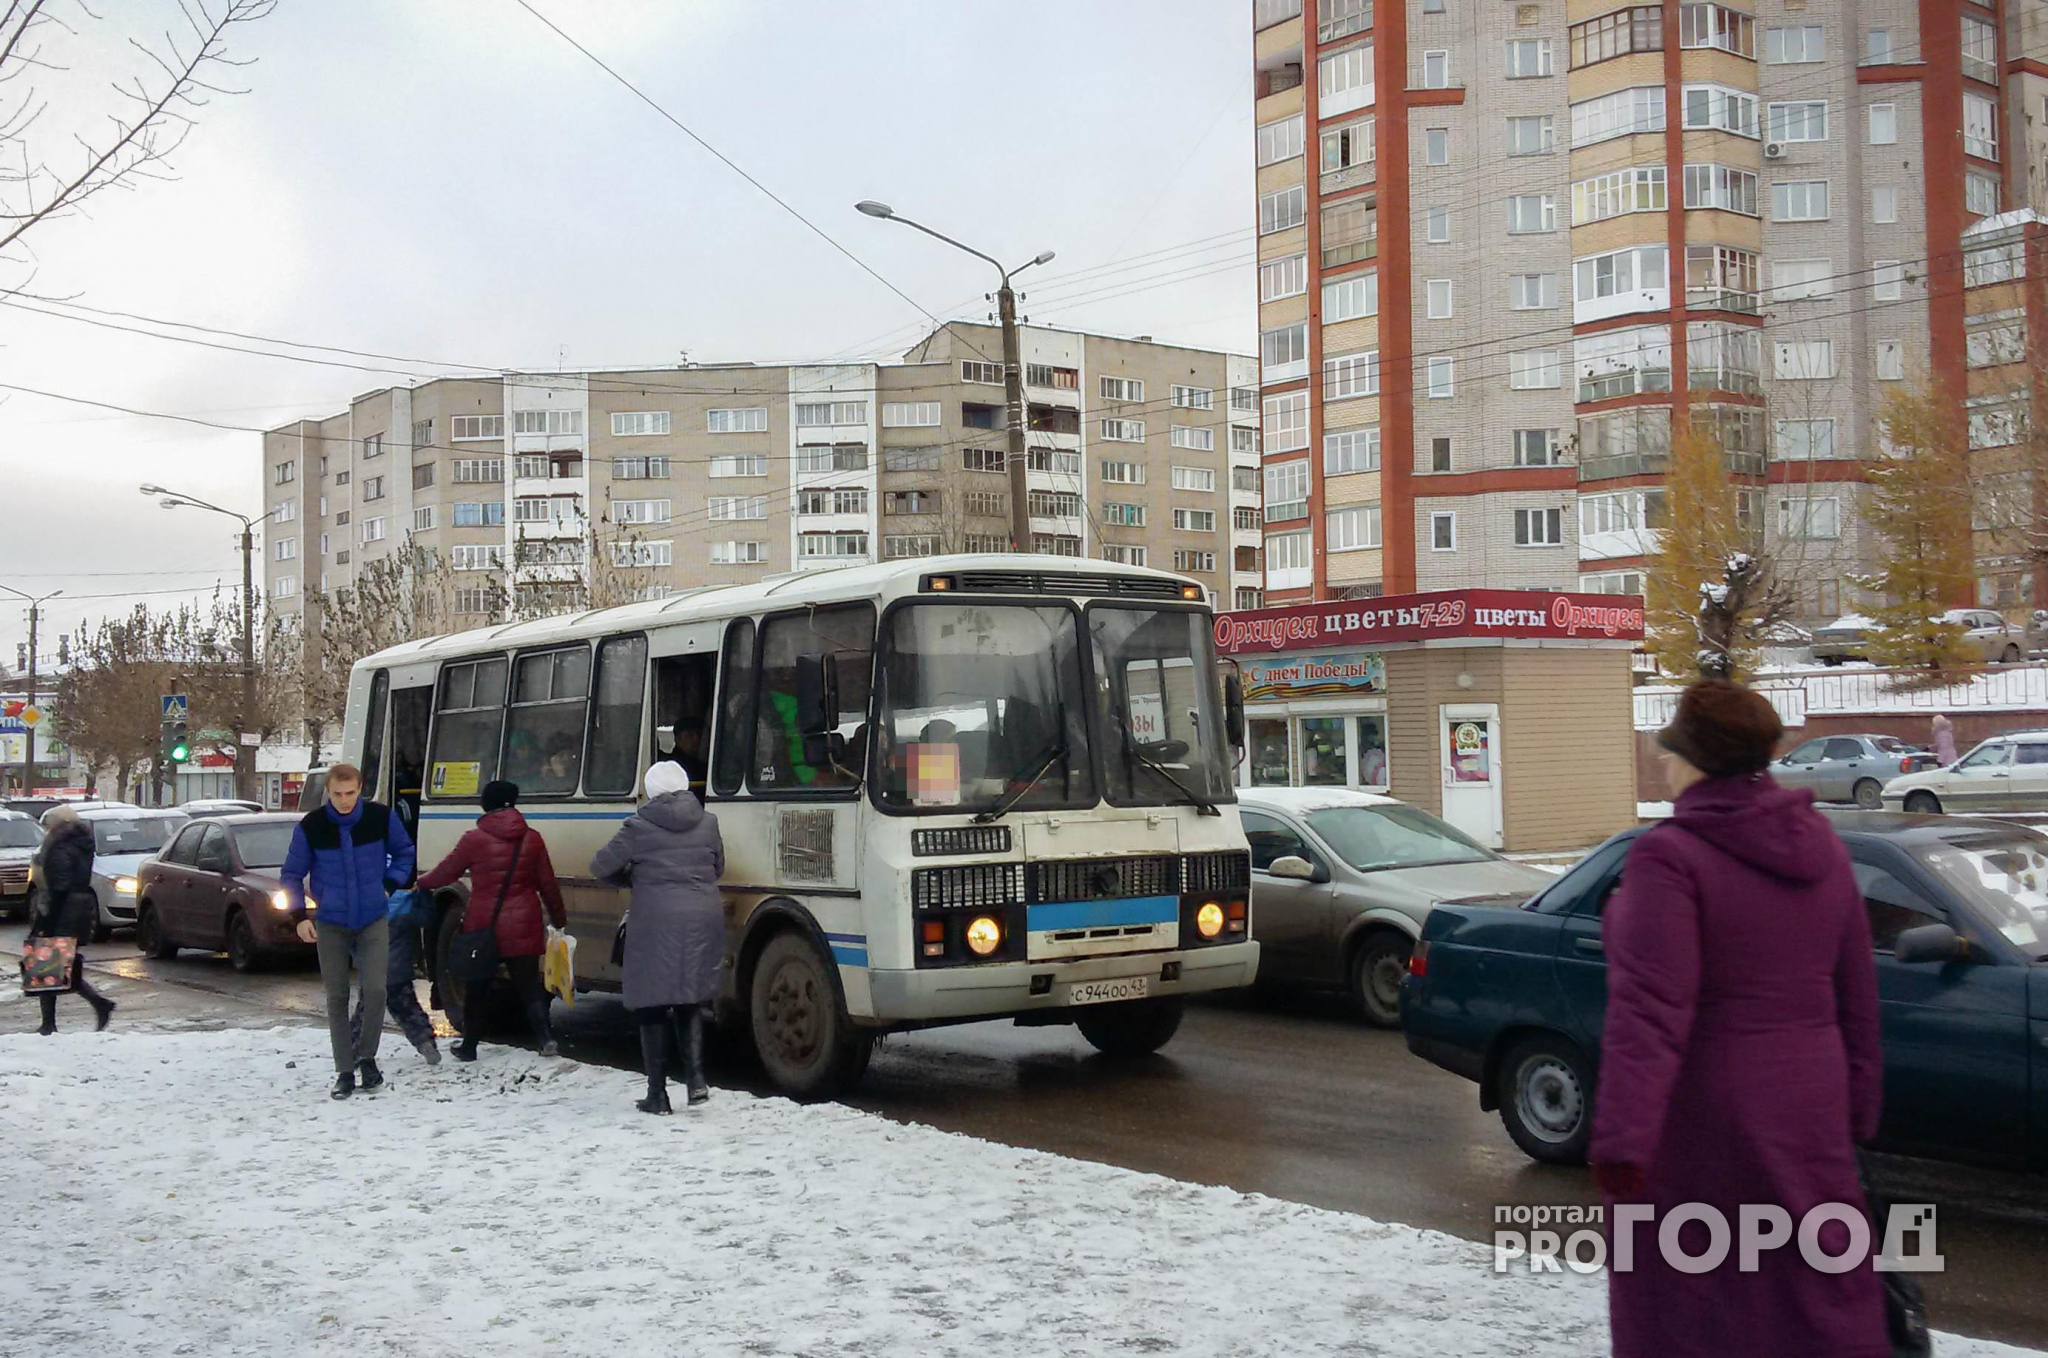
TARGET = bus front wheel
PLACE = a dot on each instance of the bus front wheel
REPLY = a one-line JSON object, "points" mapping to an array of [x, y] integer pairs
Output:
{"points": [[808, 1045], [1133, 1028]]}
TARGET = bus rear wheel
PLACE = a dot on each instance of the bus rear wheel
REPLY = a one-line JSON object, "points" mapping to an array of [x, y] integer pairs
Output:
{"points": [[808, 1046], [1133, 1028]]}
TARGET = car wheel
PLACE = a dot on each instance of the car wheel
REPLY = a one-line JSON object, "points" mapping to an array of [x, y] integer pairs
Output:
{"points": [[1132, 1028], [1869, 794], [2011, 656], [1546, 1099], [1376, 972], [149, 935], [809, 1047], [101, 932], [1923, 803], [1831, 660], [243, 954]]}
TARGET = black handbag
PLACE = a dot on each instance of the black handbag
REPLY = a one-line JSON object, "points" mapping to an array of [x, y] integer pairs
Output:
{"points": [[474, 954], [619, 941], [1905, 1305]]}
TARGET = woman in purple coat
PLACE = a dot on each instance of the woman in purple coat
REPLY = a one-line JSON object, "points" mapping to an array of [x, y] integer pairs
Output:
{"points": [[1739, 1062]]}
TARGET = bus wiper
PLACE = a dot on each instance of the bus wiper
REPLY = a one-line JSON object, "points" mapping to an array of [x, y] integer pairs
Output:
{"points": [[1054, 753], [1194, 798]]}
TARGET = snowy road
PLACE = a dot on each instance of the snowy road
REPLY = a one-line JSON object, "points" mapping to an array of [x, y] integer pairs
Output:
{"points": [[203, 1196]]}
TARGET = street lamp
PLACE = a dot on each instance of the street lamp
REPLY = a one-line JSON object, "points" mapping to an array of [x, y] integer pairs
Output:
{"points": [[35, 610], [245, 772], [1013, 370]]}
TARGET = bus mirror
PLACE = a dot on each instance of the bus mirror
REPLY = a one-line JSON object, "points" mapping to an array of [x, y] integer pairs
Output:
{"points": [[817, 694], [1233, 710]]}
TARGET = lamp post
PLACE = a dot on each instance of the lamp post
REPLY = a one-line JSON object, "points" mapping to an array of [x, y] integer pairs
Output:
{"points": [[245, 770], [35, 611], [1013, 370]]}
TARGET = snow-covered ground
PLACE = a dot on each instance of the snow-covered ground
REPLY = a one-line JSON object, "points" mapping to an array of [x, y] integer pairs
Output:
{"points": [[197, 1193]]}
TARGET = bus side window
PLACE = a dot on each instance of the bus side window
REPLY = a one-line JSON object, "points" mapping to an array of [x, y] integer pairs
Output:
{"points": [[733, 742], [779, 764], [544, 739], [472, 718], [682, 711], [373, 734], [613, 764]]}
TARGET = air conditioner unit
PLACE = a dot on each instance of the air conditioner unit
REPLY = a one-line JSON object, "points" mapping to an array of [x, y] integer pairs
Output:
{"points": [[1774, 150]]}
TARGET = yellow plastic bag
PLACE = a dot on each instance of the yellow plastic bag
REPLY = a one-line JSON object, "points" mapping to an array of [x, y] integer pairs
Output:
{"points": [[558, 966]]}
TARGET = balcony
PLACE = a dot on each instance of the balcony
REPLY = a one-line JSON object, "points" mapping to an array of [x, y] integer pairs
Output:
{"points": [[1609, 466], [1351, 251]]}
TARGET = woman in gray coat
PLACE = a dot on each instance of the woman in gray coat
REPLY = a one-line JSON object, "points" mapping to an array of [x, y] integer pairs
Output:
{"points": [[671, 856]]}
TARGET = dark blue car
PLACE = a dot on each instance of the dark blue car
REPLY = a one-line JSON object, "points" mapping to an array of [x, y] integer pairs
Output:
{"points": [[1513, 998]]}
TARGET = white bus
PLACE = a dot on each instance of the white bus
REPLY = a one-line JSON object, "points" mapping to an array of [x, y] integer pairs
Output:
{"points": [[950, 789]]}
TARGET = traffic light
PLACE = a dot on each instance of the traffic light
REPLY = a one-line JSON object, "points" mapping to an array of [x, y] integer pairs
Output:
{"points": [[177, 743]]}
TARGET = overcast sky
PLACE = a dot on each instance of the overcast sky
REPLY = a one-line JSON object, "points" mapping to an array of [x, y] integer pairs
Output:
{"points": [[448, 180]]}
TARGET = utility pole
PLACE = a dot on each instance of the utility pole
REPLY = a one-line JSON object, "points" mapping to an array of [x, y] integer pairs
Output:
{"points": [[35, 611], [1017, 461]]}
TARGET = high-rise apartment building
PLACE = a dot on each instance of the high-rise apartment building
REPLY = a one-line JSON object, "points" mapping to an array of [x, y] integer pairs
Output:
{"points": [[543, 491], [1505, 247]]}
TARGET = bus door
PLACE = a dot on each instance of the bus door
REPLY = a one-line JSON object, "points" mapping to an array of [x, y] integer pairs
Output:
{"points": [[410, 710]]}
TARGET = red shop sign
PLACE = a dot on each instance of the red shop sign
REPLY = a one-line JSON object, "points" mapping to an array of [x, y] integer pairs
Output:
{"points": [[1519, 614]]}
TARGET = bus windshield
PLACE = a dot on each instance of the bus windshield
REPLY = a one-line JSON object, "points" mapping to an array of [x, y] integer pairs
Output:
{"points": [[1155, 677], [981, 708]]}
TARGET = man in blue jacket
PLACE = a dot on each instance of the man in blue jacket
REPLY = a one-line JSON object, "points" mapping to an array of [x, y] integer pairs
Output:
{"points": [[357, 852]]}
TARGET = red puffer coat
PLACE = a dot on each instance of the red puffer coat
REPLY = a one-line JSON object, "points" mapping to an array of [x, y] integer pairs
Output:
{"points": [[485, 853]]}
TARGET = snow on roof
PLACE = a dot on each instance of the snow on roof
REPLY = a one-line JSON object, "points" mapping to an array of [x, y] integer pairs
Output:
{"points": [[1302, 800]]}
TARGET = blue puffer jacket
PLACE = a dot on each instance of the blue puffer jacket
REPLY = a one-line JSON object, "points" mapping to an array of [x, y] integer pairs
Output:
{"points": [[355, 861]]}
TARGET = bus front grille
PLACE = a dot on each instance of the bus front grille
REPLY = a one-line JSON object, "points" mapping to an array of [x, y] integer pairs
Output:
{"points": [[1097, 879], [1206, 873]]}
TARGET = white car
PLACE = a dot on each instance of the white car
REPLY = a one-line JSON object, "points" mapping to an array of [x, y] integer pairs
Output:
{"points": [[20, 836], [122, 838], [2005, 773], [93, 805]]}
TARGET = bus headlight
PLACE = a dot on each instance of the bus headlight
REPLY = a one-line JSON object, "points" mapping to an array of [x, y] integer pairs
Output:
{"points": [[124, 886], [1209, 919], [984, 935]]}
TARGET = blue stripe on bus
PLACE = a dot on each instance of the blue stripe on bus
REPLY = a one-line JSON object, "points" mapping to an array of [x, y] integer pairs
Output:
{"points": [[849, 957], [1062, 915], [859, 940]]}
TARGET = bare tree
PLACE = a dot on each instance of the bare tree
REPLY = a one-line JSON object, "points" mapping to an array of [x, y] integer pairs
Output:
{"points": [[401, 597], [107, 703], [61, 145]]}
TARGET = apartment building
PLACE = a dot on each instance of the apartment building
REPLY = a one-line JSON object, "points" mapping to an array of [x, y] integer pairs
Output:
{"points": [[1505, 247], [540, 492]]}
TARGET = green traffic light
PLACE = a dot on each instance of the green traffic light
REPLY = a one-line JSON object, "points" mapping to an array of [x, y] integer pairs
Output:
{"points": [[180, 753]]}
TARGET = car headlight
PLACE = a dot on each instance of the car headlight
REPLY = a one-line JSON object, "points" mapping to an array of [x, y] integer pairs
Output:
{"points": [[280, 901], [1209, 919], [984, 935], [124, 886]]}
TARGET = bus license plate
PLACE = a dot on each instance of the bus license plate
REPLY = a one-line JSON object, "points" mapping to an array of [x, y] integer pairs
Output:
{"points": [[1106, 992]]}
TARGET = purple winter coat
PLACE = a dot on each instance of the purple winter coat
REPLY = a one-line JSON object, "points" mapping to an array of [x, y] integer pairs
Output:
{"points": [[1740, 1064]]}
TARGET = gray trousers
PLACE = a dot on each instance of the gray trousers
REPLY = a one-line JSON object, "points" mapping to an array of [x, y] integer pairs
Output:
{"points": [[367, 949]]}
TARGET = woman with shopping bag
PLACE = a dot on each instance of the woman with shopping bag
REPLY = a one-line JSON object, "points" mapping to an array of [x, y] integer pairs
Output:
{"points": [[510, 878], [671, 855], [66, 909]]}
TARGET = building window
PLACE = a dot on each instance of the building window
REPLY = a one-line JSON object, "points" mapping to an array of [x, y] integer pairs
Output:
{"points": [[1353, 529], [1884, 124], [1350, 450], [1345, 299], [1124, 473], [974, 370], [1799, 200], [1980, 193], [1437, 225], [1980, 126], [1532, 291], [1344, 80], [1804, 360], [1721, 277], [373, 488], [1884, 201], [1350, 375], [1442, 372], [1195, 520], [656, 468], [1266, 13], [1193, 561], [895, 547], [1443, 531], [1790, 46], [1887, 280], [373, 530], [1621, 281], [815, 545], [1128, 431], [724, 508], [1122, 388], [1640, 188], [1194, 398], [1283, 355], [1535, 447], [1048, 375], [1623, 362], [1531, 212], [1436, 146], [463, 428], [909, 414], [1286, 422], [1194, 478], [479, 513], [1980, 49], [1117, 514], [284, 473], [739, 553], [1722, 187], [479, 470], [1890, 361], [893, 460], [1993, 345], [1437, 298], [1123, 554], [1799, 517], [1534, 370], [1280, 140], [1283, 210], [1539, 527], [1345, 147], [1877, 47], [1720, 109], [831, 457], [1639, 28], [1440, 453], [285, 510], [1288, 561], [284, 549], [640, 511], [1286, 491], [1623, 113], [1797, 280], [1532, 136], [629, 423], [1436, 69], [1798, 120], [1803, 440], [1717, 26], [1054, 504], [488, 557], [1528, 57]]}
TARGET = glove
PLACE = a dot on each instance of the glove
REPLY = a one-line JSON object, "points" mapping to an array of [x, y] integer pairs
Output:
{"points": [[1621, 1182]]}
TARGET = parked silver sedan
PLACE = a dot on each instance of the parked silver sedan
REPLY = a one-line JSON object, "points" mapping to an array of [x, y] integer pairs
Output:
{"points": [[1851, 768], [1342, 880]]}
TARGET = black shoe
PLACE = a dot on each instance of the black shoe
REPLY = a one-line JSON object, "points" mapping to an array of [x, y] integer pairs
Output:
{"points": [[465, 1050], [344, 1085], [49, 1029], [693, 1058], [372, 1080], [105, 1010], [655, 1102]]}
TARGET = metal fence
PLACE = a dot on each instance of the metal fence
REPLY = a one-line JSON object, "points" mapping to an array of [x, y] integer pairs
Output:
{"points": [[1871, 692]]}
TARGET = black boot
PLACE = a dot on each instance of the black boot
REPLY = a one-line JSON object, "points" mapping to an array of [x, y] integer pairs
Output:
{"points": [[344, 1085], [49, 1003], [654, 1056], [371, 1079], [690, 1041], [543, 1035]]}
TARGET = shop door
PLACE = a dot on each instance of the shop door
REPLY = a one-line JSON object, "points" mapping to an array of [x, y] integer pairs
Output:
{"points": [[1469, 754]]}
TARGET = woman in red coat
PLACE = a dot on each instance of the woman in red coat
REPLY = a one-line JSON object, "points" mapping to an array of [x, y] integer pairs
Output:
{"points": [[487, 854]]}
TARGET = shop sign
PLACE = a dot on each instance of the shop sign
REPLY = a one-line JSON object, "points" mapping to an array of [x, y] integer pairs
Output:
{"points": [[1520, 614], [1335, 675]]}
